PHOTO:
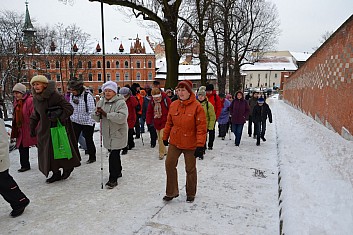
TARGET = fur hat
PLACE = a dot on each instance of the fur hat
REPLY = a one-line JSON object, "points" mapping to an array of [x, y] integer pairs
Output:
{"points": [[209, 87], [19, 87], [39, 78], [75, 84], [155, 91], [124, 91], [202, 91], [260, 100], [186, 84], [110, 85]]}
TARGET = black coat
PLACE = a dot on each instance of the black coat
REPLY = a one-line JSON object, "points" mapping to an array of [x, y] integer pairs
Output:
{"points": [[260, 113]]}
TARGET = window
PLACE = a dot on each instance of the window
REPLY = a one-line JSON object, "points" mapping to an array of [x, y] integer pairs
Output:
{"points": [[99, 77], [126, 64], [80, 76], [24, 65], [275, 75], [265, 84], [70, 64], [59, 89], [34, 64], [138, 76], [57, 64], [250, 84], [99, 65], [90, 77], [258, 76], [250, 76], [273, 84], [117, 77], [58, 77], [117, 64], [71, 75], [138, 64], [89, 64], [150, 76], [108, 64], [149, 64], [80, 64], [47, 64], [108, 77], [126, 77], [266, 75]]}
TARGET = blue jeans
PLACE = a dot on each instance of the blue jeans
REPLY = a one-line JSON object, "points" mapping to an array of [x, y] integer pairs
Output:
{"points": [[237, 129]]}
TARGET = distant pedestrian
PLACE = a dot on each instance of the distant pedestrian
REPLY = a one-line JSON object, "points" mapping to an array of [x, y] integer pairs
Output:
{"points": [[239, 110], [186, 132], [223, 119], [131, 103], [209, 112], [9, 189], [83, 103], [214, 99], [23, 109], [113, 112], [157, 113], [252, 103], [260, 114], [49, 107], [150, 128]]}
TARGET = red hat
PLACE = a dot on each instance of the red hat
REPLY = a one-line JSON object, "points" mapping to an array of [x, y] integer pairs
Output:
{"points": [[186, 84]]}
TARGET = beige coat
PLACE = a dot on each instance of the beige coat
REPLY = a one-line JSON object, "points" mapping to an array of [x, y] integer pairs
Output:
{"points": [[114, 125], [4, 148]]}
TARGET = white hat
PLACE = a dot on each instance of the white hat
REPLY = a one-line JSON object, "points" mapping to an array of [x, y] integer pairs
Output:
{"points": [[124, 91], [110, 85], [19, 87]]}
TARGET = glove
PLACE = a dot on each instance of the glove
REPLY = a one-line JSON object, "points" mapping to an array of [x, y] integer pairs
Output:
{"points": [[54, 113], [101, 111], [198, 152], [32, 133], [165, 142]]}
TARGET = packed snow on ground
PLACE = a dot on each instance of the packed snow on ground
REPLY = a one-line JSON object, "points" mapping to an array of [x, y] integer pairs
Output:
{"points": [[238, 189]]}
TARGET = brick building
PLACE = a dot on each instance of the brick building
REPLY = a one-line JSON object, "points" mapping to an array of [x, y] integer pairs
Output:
{"points": [[128, 60], [322, 87]]}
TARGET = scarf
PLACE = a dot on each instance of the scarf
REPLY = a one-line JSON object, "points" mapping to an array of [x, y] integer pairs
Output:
{"points": [[157, 109], [19, 113]]}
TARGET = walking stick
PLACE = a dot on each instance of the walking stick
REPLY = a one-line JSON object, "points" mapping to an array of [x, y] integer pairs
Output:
{"points": [[101, 143]]}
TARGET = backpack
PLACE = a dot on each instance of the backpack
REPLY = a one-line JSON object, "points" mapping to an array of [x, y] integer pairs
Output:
{"points": [[85, 99]]}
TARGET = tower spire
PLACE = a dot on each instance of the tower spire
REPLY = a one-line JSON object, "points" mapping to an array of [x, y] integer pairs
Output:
{"points": [[28, 29]]}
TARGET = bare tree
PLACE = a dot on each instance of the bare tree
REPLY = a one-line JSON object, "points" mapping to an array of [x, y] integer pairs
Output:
{"points": [[240, 28], [323, 38]]}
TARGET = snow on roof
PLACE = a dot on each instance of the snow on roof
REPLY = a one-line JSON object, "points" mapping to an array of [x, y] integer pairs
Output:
{"points": [[273, 63], [301, 56]]}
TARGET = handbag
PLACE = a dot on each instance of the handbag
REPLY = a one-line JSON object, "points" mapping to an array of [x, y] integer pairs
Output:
{"points": [[60, 142]]}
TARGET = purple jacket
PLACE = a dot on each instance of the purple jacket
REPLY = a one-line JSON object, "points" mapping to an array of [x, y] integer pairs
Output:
{"points": [[23, 134], [224, 117], [239, 109]]}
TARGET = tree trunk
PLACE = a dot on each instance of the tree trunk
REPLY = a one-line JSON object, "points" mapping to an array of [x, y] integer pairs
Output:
{"points": [[172, 57], [203, 61]]}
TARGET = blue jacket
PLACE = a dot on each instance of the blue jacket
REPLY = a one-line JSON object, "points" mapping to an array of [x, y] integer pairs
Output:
{"points": [[224, 117]]}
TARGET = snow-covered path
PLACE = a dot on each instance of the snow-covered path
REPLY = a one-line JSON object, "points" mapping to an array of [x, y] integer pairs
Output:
{"points": [[315, 175]]}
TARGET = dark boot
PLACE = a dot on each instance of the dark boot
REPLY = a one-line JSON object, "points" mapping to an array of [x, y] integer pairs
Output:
{"points": [[55, 177], [19, 211], [167, 198], [66, 173]]}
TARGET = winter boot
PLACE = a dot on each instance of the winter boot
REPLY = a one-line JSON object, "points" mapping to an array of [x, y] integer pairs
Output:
{"points": [[190, 199], [263, 138], [111, 185], [55, 177], [167, 198], [66, 173], [19, 211]]}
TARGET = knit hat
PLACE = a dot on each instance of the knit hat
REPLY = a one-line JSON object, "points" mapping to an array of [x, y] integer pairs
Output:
{"points": [[261, 100], [209, 87], [75, 84], [110, 85], [186, 84], [202, 91], [124, 91], [155, 91], [19, 87], [39, 78]]}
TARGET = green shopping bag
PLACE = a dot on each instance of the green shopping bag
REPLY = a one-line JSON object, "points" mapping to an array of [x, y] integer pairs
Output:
{"points": [[60, 141]]}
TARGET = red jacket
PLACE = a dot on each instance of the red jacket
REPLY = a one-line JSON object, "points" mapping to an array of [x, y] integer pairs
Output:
{"points": [[23, 132], [131, 106], [158, 123], [186, 124], [214, 99]]}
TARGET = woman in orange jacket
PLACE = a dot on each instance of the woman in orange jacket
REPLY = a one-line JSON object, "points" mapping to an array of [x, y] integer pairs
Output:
{"points": [[186, 131]]}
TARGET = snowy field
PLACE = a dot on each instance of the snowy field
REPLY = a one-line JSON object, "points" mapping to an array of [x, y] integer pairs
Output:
{"points": [[237, 188]]}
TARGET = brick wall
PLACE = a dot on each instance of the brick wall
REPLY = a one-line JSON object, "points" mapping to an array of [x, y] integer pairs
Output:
{"points": [[323, 87]]}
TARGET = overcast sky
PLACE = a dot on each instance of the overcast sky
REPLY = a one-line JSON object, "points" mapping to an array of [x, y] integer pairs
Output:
{"points": [[302, 21]]}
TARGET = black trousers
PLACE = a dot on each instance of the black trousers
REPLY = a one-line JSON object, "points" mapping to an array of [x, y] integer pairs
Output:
{"points": [[24, 156], [10, 191], [153, 135], [87, 132], [211, 136], [261, 129], [223, 129], [250, 123], [137, 126], [114, 165]]}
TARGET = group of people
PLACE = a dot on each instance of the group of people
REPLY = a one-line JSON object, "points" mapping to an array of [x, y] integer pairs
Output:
{"points": [[181, 122]]}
